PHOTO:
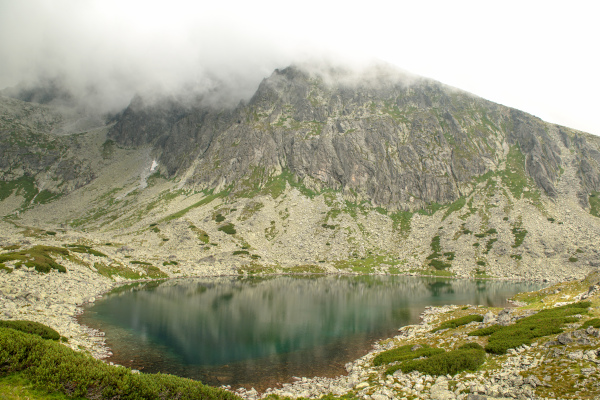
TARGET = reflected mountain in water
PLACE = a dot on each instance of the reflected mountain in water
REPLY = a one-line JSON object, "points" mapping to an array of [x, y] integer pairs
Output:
{"points": [[244, 331]]}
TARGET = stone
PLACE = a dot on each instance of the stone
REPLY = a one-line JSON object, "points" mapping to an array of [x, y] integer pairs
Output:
{"points": [[489, 317], [564, 338], [504, 317]]}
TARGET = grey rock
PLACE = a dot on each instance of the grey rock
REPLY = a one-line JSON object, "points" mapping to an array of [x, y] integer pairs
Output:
{"points": [[504, 317], [564, 338]]}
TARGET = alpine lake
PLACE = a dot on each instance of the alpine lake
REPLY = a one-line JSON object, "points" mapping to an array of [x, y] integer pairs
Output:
{"points": [[261, 332]]}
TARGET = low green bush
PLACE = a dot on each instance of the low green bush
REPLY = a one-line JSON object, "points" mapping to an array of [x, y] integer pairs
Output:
{"points": [[486, 331], [228, 229], [404, 353], [544, 323], [53, 367], [35, 328], [451, 362], [594, 322], [456, 322], [470, 345]]}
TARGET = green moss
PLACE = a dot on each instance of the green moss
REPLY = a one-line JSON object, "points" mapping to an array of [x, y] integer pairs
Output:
{"points": [[573, 259], [241, 252]]}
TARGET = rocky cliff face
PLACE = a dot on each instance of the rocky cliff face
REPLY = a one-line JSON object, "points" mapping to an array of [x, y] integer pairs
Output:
{"points": [[322, 171], [398, 141]]}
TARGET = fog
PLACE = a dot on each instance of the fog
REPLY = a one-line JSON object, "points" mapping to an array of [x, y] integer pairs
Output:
{"points": [[537, 57]]}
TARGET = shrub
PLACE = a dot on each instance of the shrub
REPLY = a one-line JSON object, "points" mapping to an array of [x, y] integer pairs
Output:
{"points": [[34, 328], [57, 368], [544, 323], [456, 322], [219, 218], [238, 252], [404, 353], [446, 363], [228, 229], [470, 345], [594, 322], [486, 331]]}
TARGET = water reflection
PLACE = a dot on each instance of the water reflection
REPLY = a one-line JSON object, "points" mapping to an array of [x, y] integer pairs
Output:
{"points": [[246, 331]]}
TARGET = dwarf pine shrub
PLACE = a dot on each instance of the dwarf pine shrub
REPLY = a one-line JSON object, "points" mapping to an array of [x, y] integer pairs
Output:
{"points": [[544, 323], [456, 322], [35, 328], [53, 367]]}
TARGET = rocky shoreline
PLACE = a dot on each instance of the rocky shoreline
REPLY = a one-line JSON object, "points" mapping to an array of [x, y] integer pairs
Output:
{"points": [[55, 299]]}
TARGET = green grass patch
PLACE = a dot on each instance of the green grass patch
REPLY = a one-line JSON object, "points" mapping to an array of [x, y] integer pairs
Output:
{"points": [[79, 248], [544, 323], [38, 257], [241, 252], [165, 263], [404, 353], [573, 259], [228, 229], [456, 206], [219, 218], [55, 368], [15, 387], [305, 269], [456, 322], [520, 234], [202, 235], [255, 268], [207, 199], [117, 269], [402, 220], [594, 200]]}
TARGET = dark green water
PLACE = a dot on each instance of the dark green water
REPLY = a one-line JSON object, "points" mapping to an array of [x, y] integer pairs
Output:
{"points": [[262, 331]]}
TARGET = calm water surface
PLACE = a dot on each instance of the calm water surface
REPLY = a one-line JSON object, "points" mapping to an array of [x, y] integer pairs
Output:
{"points": [[257, 332]]}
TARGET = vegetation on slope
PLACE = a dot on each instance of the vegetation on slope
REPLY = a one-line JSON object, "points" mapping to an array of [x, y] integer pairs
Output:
{"points": [[50, 366]]}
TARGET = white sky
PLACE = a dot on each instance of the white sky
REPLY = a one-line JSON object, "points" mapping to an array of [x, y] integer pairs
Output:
{"points": [[537, 56]]}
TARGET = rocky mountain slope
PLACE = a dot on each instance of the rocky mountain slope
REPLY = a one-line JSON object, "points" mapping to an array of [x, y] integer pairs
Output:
{"points": [[321, 170]]}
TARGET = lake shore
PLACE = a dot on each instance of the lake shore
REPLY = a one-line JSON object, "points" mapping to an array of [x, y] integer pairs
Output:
{"points": [[55, 299]]}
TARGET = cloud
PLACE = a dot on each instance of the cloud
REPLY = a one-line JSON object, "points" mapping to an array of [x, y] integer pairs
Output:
{"points": [[536, 56], [106, 51]]}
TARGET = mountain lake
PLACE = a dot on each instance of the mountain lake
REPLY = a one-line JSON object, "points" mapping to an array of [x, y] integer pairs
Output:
{"points": [[261, 332]]}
